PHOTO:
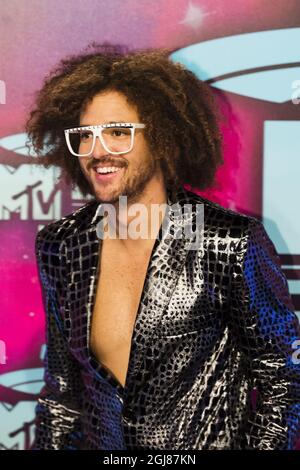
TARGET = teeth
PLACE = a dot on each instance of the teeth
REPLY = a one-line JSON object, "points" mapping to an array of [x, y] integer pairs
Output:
{"points": [[108, 169]]}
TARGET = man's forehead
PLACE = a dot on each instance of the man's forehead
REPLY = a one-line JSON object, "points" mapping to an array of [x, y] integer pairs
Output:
{"points": [[104, 108]]}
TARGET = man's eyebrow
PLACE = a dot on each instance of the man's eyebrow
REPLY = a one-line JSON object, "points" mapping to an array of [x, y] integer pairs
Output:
{"points": [[106, 122]]}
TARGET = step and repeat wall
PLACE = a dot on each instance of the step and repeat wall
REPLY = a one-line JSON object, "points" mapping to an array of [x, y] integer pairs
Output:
{"points": [[247, 50]]}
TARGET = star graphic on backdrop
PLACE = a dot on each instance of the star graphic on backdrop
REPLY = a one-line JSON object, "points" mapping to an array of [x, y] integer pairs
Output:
{"points": [[194, 16]]}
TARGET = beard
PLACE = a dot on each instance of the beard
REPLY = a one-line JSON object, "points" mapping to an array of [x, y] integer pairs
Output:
{"points": [[133, 184]]}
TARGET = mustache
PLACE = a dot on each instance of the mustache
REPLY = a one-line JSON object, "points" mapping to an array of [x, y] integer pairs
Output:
{"points": [[112, 162]]}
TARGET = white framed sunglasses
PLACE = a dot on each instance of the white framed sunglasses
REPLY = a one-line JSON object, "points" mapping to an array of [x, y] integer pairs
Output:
{"points": [[116, 138]]}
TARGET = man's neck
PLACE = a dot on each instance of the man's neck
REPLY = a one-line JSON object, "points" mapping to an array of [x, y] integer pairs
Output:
{"points": [[136, 224]]}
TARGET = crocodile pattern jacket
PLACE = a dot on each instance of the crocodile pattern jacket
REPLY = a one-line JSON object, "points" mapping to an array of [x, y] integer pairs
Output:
{"points": [[213, 325]]}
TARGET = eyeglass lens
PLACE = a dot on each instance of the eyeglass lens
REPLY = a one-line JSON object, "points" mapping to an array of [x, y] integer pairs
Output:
{"points": [[116, 139]]}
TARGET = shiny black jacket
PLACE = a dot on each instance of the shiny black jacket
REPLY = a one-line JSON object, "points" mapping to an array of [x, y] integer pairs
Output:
{"points": [[213, 324]]}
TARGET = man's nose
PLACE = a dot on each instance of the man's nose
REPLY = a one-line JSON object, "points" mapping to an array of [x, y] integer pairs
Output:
{"points": [[99, 150]]}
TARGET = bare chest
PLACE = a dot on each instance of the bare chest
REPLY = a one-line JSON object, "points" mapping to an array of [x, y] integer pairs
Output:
{"points": [[119, 290]]}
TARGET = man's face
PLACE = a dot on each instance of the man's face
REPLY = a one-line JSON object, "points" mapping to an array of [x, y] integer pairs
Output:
{"points": [[137, 167]]}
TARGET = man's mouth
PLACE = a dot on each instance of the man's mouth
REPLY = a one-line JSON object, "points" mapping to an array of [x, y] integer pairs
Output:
{"points": [[109, 169], [104, 173]]}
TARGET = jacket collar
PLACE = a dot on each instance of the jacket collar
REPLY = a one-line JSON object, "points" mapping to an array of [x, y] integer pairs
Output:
{"points": [[166, 263]]}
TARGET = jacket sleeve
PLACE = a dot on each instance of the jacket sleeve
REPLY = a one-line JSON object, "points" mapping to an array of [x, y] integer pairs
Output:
{"points": [[267, 331], [57, 422]]}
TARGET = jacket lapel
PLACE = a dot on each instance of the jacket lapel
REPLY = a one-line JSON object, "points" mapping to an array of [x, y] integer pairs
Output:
{"points": [[166, 262]]}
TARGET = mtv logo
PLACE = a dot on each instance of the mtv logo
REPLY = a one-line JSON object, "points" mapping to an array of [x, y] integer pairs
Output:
{"points": [[27, 191], [20, 390]]}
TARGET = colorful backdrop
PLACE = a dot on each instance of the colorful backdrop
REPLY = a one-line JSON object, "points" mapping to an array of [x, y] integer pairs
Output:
{"points": [[248, 50]]}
